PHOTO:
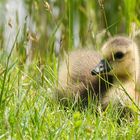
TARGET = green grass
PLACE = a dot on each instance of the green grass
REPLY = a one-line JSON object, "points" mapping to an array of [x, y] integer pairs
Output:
{"points": [[27, 110]]}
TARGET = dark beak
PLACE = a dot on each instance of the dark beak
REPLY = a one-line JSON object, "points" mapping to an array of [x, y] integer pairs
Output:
{"points": [[102, 67]]}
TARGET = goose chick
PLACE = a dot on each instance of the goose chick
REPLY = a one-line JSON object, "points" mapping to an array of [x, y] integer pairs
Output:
{"points": [[121, 61], [75, 79]]}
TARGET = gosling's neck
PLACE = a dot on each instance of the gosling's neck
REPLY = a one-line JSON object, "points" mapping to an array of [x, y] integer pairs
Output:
{"points": [[128, 78]]}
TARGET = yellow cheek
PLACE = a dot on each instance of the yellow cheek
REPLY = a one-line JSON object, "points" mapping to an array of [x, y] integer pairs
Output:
{"points": [[116, 68]]}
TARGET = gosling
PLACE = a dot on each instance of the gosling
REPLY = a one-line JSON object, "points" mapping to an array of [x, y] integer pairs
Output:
{"points": [[121, 61], [75, 80]]}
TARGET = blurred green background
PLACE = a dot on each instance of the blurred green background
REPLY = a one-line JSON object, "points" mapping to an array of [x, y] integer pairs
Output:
{"points": [[60, 25]]}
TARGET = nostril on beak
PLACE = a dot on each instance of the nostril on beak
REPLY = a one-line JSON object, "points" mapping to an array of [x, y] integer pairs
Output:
{"points": [[101, 67]]}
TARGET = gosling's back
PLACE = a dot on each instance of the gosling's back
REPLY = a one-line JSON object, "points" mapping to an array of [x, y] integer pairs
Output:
{"points": [[77, 67]]}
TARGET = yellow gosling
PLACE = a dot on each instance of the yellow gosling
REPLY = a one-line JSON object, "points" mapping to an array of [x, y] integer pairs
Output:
{"points": [[121, 61]]}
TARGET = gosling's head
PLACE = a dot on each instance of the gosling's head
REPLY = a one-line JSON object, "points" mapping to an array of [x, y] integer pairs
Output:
{"points": [[120, 58]]}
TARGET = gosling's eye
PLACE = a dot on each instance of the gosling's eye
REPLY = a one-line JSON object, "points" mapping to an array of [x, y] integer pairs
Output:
{"points": [[118, 55]]}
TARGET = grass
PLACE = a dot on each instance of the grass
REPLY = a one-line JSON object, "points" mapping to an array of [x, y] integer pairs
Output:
{"points": [[27, 110]]}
